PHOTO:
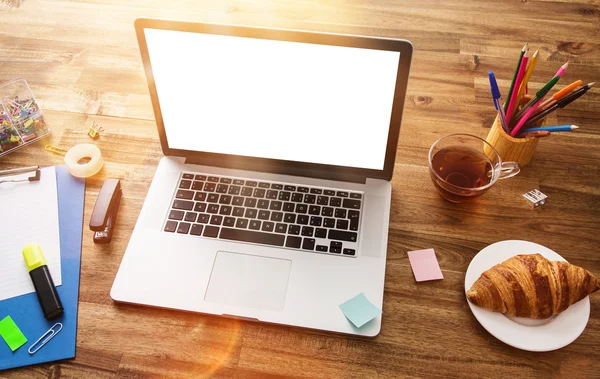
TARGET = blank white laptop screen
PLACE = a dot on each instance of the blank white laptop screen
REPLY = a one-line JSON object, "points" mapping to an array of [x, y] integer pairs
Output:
{"points": [[274, 99]]}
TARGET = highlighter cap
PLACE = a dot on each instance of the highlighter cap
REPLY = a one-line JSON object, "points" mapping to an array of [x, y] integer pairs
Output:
{"points": [[33, 256]]}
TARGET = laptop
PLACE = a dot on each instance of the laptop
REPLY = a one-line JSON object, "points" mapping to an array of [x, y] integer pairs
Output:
{"points": [[272, 200]]}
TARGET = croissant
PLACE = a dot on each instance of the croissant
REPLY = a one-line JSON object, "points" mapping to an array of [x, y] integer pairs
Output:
{"points": [[531, 286]]}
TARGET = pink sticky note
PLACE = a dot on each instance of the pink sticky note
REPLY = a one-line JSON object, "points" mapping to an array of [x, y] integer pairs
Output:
{"points": [[425, 265]]}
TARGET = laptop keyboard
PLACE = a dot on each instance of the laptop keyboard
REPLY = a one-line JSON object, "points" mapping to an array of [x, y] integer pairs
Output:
{"points": [[317, 219]]}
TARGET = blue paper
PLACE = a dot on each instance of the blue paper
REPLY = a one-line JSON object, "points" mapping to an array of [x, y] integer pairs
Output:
{"points": [[359, 310], [26, 310]]}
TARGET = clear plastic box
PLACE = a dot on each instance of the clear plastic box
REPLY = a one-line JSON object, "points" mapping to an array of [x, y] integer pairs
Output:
{"points": [[21, 118]]}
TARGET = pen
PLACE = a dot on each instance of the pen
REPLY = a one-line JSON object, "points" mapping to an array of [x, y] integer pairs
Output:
{"points": [[561, 103], [496, 98], [559, 95], [558, 128], [42, 281]]}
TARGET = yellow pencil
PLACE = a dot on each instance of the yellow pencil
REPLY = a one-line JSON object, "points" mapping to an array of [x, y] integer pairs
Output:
{"points": [[528, 73]]}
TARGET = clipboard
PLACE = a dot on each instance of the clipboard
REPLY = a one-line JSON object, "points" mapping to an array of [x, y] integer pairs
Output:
{"points": [[25, 310]]}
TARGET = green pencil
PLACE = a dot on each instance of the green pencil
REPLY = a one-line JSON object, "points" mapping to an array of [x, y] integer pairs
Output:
{"points": [[512, 84], [538, 96]]}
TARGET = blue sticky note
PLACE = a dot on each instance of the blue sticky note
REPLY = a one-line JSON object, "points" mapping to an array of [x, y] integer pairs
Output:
{"points": [[359, 310]]}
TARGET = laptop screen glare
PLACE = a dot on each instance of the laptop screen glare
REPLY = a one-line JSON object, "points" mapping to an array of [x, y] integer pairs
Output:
{"points": [[274, 99]]}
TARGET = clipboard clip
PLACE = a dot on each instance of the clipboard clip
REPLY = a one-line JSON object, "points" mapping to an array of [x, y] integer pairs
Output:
{"points": [[19, 171], [105, 211]]}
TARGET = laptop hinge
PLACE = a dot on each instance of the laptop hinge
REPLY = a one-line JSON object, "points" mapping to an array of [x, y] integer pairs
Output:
{"points": [[281, 168]]}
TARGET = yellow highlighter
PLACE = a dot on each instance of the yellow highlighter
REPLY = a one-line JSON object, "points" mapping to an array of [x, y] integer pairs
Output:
{"points": [[42, 281]]}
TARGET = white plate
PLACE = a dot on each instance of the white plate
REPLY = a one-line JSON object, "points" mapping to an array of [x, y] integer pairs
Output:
{"points": [[526, 334]]}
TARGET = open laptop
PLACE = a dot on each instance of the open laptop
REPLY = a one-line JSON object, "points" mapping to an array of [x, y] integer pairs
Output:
{"points": [[272, 202]]}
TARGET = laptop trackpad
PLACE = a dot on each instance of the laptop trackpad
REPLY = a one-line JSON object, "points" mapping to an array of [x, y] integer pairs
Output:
{"points": [[249, 281]]}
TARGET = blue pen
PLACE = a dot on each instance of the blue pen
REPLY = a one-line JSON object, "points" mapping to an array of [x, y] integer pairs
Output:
{"points": [[496, 98], [558, 128]]}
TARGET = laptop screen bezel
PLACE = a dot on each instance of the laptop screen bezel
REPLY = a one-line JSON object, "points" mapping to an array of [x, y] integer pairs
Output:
{"points": [[286, 167]]}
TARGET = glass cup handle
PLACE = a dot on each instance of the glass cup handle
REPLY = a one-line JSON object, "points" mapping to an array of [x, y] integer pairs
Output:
{"points": [[509, 169]]}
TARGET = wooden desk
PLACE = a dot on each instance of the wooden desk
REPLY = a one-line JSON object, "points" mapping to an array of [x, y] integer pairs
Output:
{"points": [[82, 61]]}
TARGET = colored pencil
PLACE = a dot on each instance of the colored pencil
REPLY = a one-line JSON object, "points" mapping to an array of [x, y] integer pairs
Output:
{"points": [[562, 70], [561, 103], [559, 95], [557, 128], [512, 84], [524, 118], [513, 101], [540, 134], [538, 96], [496, 97], [528, 73]]}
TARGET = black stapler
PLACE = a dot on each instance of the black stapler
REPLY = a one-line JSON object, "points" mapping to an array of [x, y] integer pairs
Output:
{"points": [[105, 211]]}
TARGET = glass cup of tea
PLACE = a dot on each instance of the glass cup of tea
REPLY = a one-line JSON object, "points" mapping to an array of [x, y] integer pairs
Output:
{"points": [[461, 170]]}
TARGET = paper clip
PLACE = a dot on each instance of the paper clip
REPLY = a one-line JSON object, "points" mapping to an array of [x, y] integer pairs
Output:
{"points": [[94, 130], [50, 333], [535, 198], [55, 150]]}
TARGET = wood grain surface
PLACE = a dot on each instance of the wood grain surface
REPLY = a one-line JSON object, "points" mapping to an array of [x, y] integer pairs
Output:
{"points": [[82, 61]]}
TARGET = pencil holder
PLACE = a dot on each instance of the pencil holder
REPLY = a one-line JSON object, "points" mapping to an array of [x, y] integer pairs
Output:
{"points": [[509, 148]]}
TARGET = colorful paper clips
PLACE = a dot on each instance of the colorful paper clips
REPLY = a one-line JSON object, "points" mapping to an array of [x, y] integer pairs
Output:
{"points": [[55, 150], [50, 333]]}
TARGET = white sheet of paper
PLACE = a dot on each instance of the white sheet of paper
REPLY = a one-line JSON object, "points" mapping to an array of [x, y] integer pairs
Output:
{"points": [[29, 215]]}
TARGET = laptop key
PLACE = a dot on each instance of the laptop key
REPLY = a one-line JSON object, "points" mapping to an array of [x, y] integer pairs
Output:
{"points": [[354, 195], [329, 222], [289, 188], [335, 247], [225, 199], [271, 194], [226, 180], [307, 231], [322, 248], [251, 183], [203, 218], [171, 226], [349, 252], [209, 187], [353, 215], [340, 235], [276, 216], [188, 176], [246, 191], [284, 196], [264, 185], [297, 197], [183, 228], [200, 177], [200, 207], [342, 193], [234, 190], [216, 220], [238, 182], [354, 225], [267, 226], [335, 202], [288, 207], [225, 210], [212, 198], [176, 215], [254, 224], [262, 204], [259, 192], [212, 208], [302, 219], [329, 192], [229, 221], [196, 230], [250, 202], [197, 186], [251, 236], [322, 200], [211, 231], [321, 233], [316, 220], [292, 241], [308, 244], [280, 228], [263, 215], [327, 211], [340, 213], [185, 184], [351, 203], [314, 210], [250, 213], [309, 199], [222, 188], [294, 229], [241, 223], [303, 189], [290, 218], [213, 179], [341, 224], [238, 212], [317, 191], [200, 196], [190, 217], [184, 194], [301, 208], [276, 186], [183, 204], [238, 200], [275, 205]]}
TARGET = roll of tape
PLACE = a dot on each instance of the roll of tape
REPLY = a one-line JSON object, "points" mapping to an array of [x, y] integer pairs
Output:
{"points": [[78, 152]]}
